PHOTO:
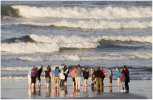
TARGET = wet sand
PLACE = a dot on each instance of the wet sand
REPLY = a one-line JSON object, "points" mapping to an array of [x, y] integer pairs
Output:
{"points": [[18, 89]]}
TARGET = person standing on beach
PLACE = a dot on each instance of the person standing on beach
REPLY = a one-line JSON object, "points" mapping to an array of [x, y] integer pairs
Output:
{"points": [[47, 77], [118, 75], [92, 74], [127, 78], [56, 77], [62, 78], [98, 74], [78, 78], [103, 75], [29, 77], [110, 77], [39, 74], [33, 76], [50, 70], [66, 71], [85, 76], [122, 80], [73, 75]]}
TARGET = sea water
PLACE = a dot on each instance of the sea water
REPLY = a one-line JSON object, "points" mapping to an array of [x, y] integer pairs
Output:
{"points": [[89, 33]]}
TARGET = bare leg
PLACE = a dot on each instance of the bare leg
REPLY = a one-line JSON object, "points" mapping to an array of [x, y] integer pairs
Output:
{"points": [[79, 85], [76, 85]]}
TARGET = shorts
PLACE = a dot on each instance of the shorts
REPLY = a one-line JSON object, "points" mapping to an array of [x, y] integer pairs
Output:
{"points": [[78, 78], [33, 79], [47, 79], [56, 80], [73, 79]]}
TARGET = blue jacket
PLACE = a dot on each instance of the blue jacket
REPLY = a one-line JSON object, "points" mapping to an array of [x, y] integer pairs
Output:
{"points": [[118, 74]]}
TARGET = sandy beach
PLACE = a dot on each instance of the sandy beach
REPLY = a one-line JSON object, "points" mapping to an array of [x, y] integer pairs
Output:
{"points": [[109, 34], [18, 89]]}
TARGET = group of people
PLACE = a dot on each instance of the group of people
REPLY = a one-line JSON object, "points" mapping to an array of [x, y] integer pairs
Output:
{"points": [[59, 77]]}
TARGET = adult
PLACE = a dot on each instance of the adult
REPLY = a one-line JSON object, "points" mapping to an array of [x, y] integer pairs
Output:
{"points": [[62, 78], [92, 74], [73, 75], [110, 77], [98, 74], [33, 76], [127, 78], [78, 78], [47, 77], [122, 80], [29, 77], [85, 76], [66, 72], [118, 75], [39, 74], [56, 77], [103, 75]]}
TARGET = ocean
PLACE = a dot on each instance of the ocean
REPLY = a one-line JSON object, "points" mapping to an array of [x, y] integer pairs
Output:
{"points": [[89, 33]]}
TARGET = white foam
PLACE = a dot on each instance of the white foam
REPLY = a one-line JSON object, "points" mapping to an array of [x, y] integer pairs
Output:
{"points": [[143, 55], [15, 68], [78, 57], [54, 43], [28, 47], [93, 24], [13, 78], [72, 40], [26, 68], [108, 12]]}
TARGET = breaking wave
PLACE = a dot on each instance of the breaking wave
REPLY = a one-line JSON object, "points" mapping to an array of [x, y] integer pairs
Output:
{"points": [[52, 43], [108, 12]]}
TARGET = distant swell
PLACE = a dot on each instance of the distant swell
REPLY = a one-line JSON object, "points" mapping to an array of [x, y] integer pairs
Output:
{"points": [[41, 43], [108, 12]]}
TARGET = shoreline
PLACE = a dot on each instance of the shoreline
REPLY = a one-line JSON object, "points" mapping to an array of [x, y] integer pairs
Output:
{"points": [[18, 89]]}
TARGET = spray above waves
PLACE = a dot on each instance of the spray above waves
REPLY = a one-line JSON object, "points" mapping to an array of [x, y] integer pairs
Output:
{"points": [[108, 12], [54, 43]]}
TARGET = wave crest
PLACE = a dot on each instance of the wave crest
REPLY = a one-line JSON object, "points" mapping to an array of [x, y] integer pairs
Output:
{"points": [[54, 43], [108, 12]]}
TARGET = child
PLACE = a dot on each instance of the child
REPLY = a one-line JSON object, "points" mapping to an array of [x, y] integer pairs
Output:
{"points": [[122, 79]]}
